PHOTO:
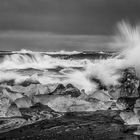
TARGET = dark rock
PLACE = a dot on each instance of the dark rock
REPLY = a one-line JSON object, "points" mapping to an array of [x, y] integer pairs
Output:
{"points": [[127, 102], [100, 125], [129, 83], [128, 86], [8, 82], [59, 89], [101, 86], [71, 90], [28, 82], [69, 86], [83, 95], [68, 90]]}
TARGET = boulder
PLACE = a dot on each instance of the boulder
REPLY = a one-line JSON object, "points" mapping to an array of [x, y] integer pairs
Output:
{"points": [[28, 91], [13, 111], [33, 89], [72, 91], [59, 90], [12, 95], [129, 83], [43, 98], [100, 95], [24, 102], [8, 82], [127, 87], [83, 95], [129, 118], [114, 91], [126, 102], [137, 108], [38, 112], [68, 90], [137, 103], [4, 104]]}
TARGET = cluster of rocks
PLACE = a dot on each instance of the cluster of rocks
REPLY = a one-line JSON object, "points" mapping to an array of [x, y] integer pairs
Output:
{"points": [[128, 97], [68, 98]]}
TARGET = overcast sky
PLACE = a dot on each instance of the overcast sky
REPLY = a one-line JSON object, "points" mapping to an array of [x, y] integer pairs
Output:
{"points": [[67, 16], [27, 19]]}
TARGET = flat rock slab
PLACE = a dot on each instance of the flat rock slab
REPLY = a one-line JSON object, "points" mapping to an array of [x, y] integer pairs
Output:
{"points": [[99, 125]]}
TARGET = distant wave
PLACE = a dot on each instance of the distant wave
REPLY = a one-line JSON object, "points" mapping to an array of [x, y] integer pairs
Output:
{"points": [[55, 52], [38, 61]]}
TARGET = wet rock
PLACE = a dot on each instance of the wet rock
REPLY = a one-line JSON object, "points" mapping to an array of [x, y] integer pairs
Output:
{"points": [[100, 95], [4, 104], [12, 95], [126, 102], [33, 89], [59, 89], [39, 112], [101, 86], [29, 82], [129, 118], [32, 80], [28, 91], [72, 91], [8, 82], [43, 98], [24, 102], [129, 83], [114, 91], [137, 108], [63, 103], [83, 95], [92, 100], [13, 111], [137, 103], [68, 90], [81, 108]]}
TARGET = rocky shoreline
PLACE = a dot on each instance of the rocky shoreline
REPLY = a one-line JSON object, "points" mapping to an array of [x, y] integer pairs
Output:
{"points": [[30, 110], [99, 125]]}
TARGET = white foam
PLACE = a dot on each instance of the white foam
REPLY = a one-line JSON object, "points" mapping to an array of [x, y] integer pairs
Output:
{"points": [[129, 39], [38, 61], [55, 52]]}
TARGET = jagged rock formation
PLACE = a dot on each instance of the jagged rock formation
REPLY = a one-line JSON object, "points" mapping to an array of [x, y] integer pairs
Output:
{"points": [[39, 112], [100, 95], [129, 83], [13, 111], [72, 91], [24, 102]]}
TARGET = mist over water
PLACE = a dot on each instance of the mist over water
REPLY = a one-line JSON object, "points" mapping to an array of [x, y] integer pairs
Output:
{"points": [[129, 38]]}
